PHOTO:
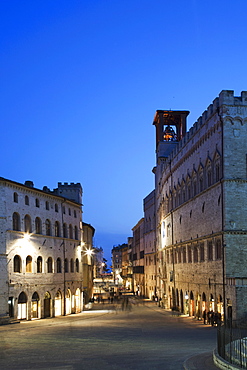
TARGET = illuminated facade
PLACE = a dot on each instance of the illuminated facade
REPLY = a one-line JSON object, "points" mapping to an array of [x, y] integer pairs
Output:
{"points": [[201, 215], [138, 258], [150, 246], [88, 261], [41, 252]]}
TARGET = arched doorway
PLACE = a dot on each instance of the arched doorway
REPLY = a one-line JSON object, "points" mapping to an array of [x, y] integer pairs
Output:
{"points": [[177, 305], [220, 304], [173, 299], [186, 297], [204, 302], [198, 306], [58, 303], [47, 305], [77, 300], [35, 306], [182, 301], [68, 302], [211, 303], [22, 306], [192, 304]]}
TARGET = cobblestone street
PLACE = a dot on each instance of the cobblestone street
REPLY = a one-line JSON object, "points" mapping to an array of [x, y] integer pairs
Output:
{"points": [[145, 337]]}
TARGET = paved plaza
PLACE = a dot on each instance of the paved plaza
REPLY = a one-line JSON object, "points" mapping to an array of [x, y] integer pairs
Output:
{"points": [[142, 336]]}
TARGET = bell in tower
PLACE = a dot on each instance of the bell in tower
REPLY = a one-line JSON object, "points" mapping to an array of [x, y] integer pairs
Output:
{"points": [[170, 129], [169, 134]]}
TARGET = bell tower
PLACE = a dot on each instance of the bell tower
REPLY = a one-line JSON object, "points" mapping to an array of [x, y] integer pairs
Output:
{"points": [[170, 129]]}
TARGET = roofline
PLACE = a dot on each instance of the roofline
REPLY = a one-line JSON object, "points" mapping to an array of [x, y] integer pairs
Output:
{"points": [[2, 179], [91, 227]]}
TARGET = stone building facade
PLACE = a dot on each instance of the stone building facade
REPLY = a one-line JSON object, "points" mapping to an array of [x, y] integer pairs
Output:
{"points": [[40, 250], [150, 246], [88, 261], [201, 220], [138, 258]]}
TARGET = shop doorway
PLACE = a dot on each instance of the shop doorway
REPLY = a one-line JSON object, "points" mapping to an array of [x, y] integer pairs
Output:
{"points": [[22, 306], [35, 305], [58, 304], [47, 305], [68, 302], [77, 301]]}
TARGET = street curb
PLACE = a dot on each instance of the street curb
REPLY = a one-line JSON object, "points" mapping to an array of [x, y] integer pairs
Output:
{"points": [[200, 361], [223, 364]]}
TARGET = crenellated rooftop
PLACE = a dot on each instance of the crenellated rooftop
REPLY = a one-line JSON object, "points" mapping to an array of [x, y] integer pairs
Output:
{"points": [[226, 97]]}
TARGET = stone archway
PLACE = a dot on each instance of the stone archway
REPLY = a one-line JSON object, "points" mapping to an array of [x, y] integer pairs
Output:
{"points": [[22, 306], [181, 301], [58, 303], [68, 302], [77, 300], [192, 304], [35, 306], [47, 305]]}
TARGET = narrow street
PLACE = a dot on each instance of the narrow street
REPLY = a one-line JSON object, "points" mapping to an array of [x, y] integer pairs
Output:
{"points": [[145, 337]]}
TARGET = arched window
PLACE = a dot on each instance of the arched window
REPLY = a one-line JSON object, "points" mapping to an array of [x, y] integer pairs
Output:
{"points": [[38, 226], [195, 254], [202, 257], [218, 249], [184, 255], [65, 230], [47, 205], [210, 250], [66, 267], [76, 232], [37, 202], [57, 228], [201, 182], [59, 265], [209, 176], [29, 264], [26, 200], [56, 207], [75, 215], [15, 197], [27, 224], [70, 231], [217, 171], [69, 211], [39, 264], [17, 263], [189, 254], [77, 265], [49, 265], [48, 227], [71, 265], [16, 221]]}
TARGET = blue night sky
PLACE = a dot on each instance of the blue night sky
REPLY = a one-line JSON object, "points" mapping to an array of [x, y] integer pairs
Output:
{"points": [[81, 81]]}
